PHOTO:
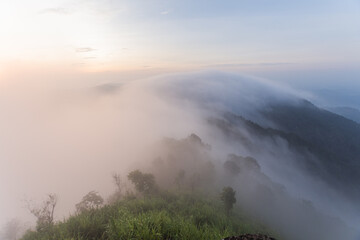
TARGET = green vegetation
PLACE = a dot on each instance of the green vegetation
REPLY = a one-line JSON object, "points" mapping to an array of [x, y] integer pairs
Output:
{"points": [[156, 211], [151, 214], [164, 216]]}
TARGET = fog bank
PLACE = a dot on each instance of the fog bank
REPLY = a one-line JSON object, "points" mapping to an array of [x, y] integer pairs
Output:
{"points": [[68, 137]]}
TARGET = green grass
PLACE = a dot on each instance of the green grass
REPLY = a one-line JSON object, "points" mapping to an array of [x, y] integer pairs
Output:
{"points": [[166, 216]]}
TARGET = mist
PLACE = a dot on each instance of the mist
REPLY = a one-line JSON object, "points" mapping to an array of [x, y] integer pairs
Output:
{"points": [[67, 137], [330, 86]]}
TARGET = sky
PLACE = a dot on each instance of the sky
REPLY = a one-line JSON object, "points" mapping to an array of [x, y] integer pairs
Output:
{"points": [[311, 45], [168, 35]]}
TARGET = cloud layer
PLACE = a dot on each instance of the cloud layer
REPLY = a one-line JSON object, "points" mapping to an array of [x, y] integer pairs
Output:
{"points": [[58, 135]]}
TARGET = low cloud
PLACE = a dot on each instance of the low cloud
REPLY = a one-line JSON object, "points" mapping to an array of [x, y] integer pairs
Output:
{"points": [[84, 49], [166, 12], [58, 10], [235, 65], [77, 137]]}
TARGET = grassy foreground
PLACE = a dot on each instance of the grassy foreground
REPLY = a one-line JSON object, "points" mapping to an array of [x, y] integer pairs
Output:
{"points": [[165, 216]]}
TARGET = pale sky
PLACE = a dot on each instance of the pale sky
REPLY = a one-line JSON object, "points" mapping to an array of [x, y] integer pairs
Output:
{"points": [[106, 35]]}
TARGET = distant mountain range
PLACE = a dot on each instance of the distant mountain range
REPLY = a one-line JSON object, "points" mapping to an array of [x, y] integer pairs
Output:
{"points": [[334, 139], [329, 142], [348, 112]]}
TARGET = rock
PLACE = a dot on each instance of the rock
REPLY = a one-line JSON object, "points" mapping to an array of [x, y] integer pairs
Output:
{"points": [[250, 237]]}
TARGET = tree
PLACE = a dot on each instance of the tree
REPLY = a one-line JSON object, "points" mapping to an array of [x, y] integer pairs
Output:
{"points": [[144, 182], [228, 198], [194, 181], [12, 230], [90, 201], [119, 183], [44, 213], [120, 189], [180, 178]]}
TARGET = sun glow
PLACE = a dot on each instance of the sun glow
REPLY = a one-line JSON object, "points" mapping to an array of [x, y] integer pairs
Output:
{"points": [[74, 34]]}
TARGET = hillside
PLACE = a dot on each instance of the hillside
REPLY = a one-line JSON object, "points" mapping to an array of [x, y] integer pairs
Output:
{"points": [[164, 216], [325, 145], [333, 139], [348, 112]]}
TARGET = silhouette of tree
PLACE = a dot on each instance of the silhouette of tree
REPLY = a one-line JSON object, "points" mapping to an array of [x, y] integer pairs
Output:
{"points": [[228, 198], [90, 201], [44, 213], [180, 178], [144, 182]]}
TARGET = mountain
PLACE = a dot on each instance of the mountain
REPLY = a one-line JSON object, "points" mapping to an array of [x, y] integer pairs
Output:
{"points": [[329, 143], [293, 165], [334, 139], [348, 112]]}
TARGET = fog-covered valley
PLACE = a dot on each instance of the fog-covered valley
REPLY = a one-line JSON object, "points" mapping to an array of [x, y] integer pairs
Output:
{"points": [[293, 165]]}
